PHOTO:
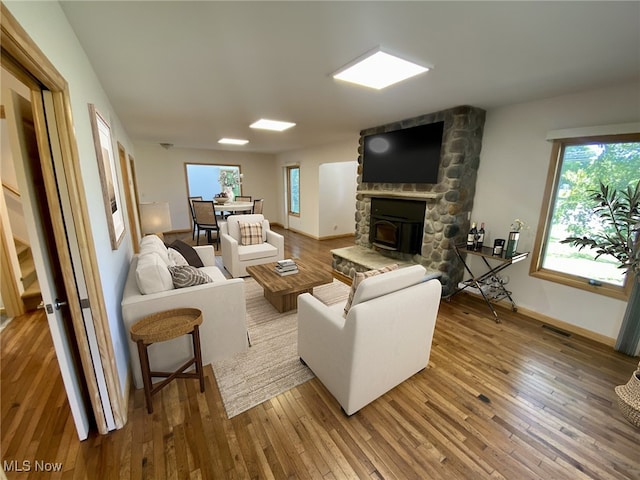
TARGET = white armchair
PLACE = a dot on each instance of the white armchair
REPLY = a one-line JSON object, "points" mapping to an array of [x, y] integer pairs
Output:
{"points": [[384, 339], [259, 245]]}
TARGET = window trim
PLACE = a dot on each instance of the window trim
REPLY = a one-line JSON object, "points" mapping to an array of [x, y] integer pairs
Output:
{"points": [[555, 166], [207, 164], [289, 169]]}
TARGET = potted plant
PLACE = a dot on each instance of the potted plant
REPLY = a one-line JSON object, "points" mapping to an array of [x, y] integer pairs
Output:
{"points": [[619, 212]]}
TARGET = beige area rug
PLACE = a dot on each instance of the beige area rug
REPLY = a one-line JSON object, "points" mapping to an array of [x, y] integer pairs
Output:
{"points": [[271, 365]]}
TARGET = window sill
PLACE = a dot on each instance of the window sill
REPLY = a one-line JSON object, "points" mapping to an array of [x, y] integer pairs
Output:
{"points": [[608, 290]]}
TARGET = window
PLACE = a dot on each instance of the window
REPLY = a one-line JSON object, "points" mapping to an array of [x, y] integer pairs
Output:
{"points": [[578, 165], [205, 180], [293, 190]]}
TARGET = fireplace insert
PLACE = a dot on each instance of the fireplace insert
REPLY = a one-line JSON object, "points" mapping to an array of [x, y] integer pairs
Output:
{"points": [[397, 225]]}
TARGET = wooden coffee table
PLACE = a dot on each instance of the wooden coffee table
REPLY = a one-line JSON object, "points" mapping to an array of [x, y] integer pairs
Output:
{"points": [[282, 291]]}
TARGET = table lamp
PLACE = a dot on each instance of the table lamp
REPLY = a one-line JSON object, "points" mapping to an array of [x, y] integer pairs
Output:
{"points": [[155, 218]]}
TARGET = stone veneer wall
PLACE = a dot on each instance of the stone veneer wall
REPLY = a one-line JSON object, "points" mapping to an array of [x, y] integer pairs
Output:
{"points": [[448, 203]]}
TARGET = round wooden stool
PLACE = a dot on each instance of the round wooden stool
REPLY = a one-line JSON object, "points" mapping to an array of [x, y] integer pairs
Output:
{"points": [[160, 327]]}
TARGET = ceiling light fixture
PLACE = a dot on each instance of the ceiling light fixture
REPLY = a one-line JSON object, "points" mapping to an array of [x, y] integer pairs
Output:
{"points": [[233, 141], [378, 70], [275, 125]]}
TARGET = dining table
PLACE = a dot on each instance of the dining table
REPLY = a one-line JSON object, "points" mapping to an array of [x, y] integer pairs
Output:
{"points": [[233, 207]]}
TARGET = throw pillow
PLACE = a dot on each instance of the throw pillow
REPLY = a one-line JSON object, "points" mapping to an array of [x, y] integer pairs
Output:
{"points": [[176, 258], [359, 277], [188, 276], [188, 252], [251, 233]]}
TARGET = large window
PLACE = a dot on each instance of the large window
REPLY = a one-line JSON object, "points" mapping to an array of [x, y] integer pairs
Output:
{"points": [[205, 180], [293, 190], [578, 166]]}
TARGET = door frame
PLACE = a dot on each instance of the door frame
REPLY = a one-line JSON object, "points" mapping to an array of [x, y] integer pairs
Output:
{"points": [[20, 55]]}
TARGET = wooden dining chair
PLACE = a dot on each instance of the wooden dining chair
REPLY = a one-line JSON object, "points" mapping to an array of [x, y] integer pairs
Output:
{"points": [[193, 216], [205, 220], [257, 205], [243, 198]]}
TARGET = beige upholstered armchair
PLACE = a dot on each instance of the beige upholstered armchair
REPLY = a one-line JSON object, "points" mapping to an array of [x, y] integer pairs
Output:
{"points": [[248, 240], [384, 339]]}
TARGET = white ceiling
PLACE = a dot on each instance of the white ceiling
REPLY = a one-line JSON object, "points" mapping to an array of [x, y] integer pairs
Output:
{"points": [[189, 73]]}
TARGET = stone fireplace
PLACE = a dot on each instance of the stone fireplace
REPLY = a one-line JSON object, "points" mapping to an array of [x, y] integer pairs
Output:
{"points": [[447, 204]]}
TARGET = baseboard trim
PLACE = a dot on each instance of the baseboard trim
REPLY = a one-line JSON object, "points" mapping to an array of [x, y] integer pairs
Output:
{"points": [[568, 327], [326, 237], [333, 237], [553, 322]]}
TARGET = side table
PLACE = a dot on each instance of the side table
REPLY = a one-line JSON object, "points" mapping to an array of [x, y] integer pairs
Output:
{"points": [[487, 253], [160, 327]]}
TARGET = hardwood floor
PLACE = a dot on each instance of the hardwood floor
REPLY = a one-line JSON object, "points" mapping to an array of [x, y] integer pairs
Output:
{"points": [[513, 400]]}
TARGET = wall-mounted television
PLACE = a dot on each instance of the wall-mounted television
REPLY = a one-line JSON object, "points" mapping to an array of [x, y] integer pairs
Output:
{"points": [[409, 155]]}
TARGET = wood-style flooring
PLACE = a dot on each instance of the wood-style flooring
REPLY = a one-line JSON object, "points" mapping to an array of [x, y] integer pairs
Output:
{"points": [[512, 400]]}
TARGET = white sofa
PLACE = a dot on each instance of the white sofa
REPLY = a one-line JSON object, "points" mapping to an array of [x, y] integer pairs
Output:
{"points": [[384, 339], [224, 328], [236, 256]]}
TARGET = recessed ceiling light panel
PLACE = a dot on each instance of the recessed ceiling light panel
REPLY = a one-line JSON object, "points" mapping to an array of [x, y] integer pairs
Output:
{"points": [[275, 125], [379, 70], [233, 141]]}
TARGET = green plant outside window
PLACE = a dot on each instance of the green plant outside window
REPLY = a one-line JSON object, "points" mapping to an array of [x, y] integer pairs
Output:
{"points": [[293, 190]]}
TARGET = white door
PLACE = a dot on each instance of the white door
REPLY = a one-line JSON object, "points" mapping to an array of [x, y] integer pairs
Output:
{"points": [[19, 118]]}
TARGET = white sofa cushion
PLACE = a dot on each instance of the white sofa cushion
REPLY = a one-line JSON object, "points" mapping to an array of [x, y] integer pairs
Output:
{"points": [[214, 273], [176, 258], [152, 274], [153, 244]]}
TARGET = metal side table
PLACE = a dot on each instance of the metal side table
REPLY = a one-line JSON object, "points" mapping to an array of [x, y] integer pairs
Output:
{"points": [[500, 263]]}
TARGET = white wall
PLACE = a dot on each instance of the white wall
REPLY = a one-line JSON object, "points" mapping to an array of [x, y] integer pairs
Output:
{"points": [[47, 26], [161, 177], [312, 194], [511, 181], [337, 192]]}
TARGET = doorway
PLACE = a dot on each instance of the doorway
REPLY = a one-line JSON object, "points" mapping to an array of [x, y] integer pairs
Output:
{"points": [[33, 221], [82, 299]]}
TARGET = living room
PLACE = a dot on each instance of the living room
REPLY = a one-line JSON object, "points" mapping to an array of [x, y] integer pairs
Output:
{"points": [[511, 176]]}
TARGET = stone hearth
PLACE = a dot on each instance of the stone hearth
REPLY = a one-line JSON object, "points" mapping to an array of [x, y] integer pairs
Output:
{"points": [[448, 203]]}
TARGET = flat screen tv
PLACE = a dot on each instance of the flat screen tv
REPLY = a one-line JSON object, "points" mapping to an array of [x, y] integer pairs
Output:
{"points": [[409, 155]]}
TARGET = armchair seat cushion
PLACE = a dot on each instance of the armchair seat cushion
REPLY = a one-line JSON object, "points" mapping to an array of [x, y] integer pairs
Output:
{"points": [[254, 252]]}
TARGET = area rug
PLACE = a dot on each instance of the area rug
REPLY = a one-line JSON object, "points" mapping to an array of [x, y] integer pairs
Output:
{"points": [[271, 365]]}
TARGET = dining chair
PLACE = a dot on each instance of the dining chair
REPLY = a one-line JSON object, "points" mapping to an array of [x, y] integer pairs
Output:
{"points": [[193, 216], [205, 220], [243, 198], [257, 205]]}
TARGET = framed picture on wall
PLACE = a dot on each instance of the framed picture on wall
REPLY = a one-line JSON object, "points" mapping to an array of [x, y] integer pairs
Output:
{"points": [[108, 178]]}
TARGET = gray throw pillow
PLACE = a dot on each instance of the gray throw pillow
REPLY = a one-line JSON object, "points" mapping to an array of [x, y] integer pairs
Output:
{"points": [[188, 276]]}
